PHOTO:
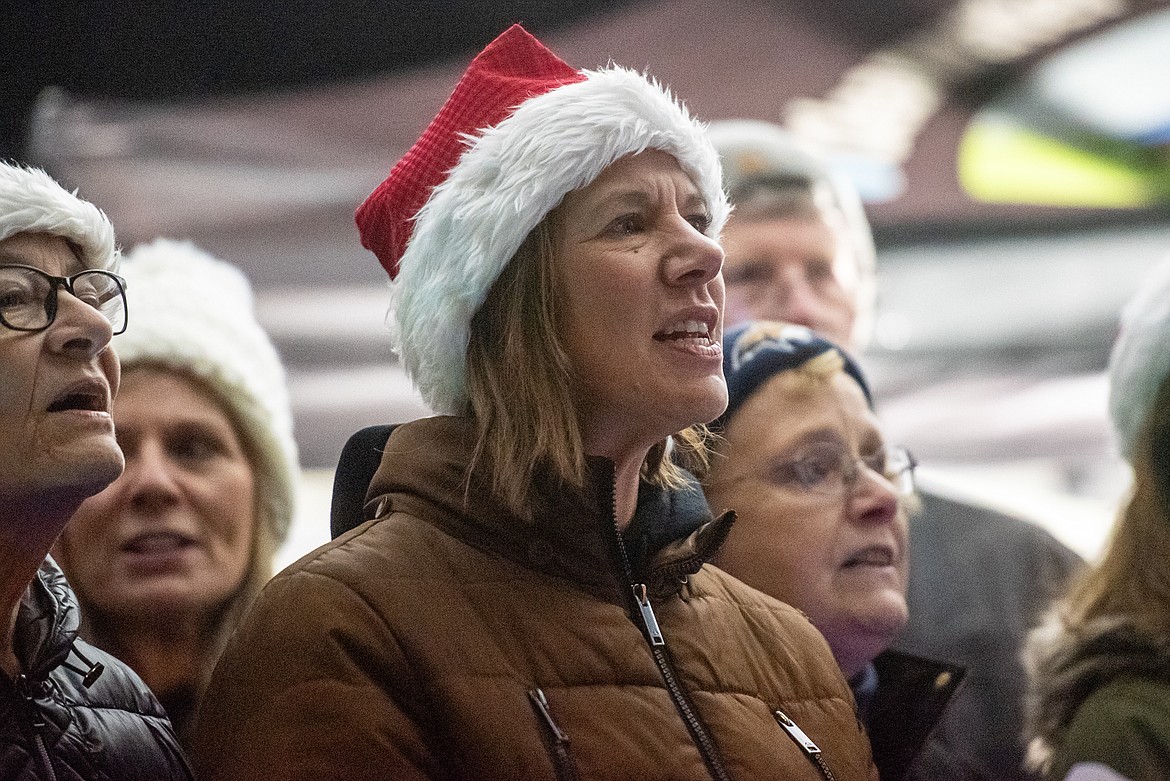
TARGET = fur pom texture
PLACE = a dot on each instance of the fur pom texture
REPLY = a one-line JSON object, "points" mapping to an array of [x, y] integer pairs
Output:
{"points": [[31, 201], [1066, 667]]}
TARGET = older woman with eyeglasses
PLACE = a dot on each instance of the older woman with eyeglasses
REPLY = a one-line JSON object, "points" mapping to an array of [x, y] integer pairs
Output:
{"points": [[822, 524], [67, 710]]}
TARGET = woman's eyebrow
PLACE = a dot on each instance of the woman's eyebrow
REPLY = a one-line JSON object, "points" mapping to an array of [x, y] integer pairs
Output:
{"points": [[695, 201], [626, 197], [822, 435]]}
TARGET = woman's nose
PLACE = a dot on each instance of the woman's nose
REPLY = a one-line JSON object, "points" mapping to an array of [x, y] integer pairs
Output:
{"points": [[78, 329], [874, 499], [795, 301], [150, 477], [694, 258]]}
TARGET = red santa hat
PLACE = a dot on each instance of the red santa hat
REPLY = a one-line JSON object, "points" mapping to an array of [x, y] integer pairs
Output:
{"points": [[521, 130]]}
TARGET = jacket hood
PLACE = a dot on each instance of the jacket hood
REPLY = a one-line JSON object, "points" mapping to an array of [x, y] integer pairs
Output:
{"points": [[1066, 666]]}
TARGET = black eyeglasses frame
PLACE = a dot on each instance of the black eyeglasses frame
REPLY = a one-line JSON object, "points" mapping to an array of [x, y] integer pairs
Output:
{"points": [[56, 283]]}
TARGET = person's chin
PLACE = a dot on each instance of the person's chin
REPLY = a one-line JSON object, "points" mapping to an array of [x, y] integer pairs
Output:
{"points": [[716, 400], [165, 600], [79, 473], [106, 468], [93, 464], [886, 616], [700, 403]]}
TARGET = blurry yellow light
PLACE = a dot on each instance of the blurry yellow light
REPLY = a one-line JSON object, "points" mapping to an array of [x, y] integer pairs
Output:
{"points": [[1002, 163]]}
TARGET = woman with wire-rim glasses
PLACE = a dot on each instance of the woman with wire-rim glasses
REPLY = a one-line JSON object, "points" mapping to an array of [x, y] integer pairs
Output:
{"points": [[67, 710], [822, 503]]}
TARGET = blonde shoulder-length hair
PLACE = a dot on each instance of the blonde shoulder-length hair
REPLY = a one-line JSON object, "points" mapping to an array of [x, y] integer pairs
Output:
{"points": [[1133, 577], [520, 382]]}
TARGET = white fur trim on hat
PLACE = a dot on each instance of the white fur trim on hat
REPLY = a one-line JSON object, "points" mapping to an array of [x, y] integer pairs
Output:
{"points": [[510, 177], [31, 201], [1140, 360], [749, 147], [194, 314]]}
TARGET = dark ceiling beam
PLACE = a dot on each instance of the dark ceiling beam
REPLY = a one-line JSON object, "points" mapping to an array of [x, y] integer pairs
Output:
{"points": [[176, 49]]}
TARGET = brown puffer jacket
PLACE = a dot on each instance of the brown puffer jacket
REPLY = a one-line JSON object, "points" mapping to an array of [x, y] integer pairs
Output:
{"points": [[439, 643]]}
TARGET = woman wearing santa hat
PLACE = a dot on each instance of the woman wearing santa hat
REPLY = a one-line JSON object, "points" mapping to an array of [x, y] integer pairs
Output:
{"points": [[530, 597]]}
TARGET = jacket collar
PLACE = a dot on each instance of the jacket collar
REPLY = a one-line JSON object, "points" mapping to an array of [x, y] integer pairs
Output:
{"points": [[909, 696], [47, 622], [571, 532], [1071, 664]]}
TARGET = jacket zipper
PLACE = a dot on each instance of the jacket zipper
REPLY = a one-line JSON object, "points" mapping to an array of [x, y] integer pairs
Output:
{"points": [[641, 605], [809, 748], [38, 726], [558, 741]]}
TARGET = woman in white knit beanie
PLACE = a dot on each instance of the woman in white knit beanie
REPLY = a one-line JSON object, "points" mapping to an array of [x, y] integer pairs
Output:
{"points": [[166, 559]]}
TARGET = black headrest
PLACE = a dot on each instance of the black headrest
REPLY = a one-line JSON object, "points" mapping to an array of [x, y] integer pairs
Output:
{"points": [[356, 466]]}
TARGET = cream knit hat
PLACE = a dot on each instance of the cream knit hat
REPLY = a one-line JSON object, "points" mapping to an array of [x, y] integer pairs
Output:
{"points": [[194, 314]]}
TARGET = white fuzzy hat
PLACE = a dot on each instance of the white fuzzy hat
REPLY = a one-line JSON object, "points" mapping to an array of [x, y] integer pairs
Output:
{"points": [[1140, 360], [520, 131], [31, 201], [755, 150], [194, 314]]}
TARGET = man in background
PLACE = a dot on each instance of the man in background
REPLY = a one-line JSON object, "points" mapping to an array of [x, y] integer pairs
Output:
{"points": [[799, 249]]}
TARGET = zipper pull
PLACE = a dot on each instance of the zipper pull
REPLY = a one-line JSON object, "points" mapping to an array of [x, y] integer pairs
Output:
{"points": [[36, 718], [811, 750], [796, 733], [648, 619], [541, 703]]}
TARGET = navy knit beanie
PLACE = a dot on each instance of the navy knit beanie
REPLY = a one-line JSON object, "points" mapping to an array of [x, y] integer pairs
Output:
{"points": [[756, 351]]}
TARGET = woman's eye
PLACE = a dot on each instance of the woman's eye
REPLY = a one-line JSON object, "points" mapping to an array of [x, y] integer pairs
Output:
{"points": [[626, 225], [702, 222], [90, 297], [16, 296], [788, 475], [819, 271], [195, 448], [753, 272], [877, 462], [806, 471], [814, 470]]}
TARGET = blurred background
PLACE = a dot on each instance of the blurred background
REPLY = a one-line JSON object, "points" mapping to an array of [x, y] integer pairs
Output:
{"points": [[1014, 156]]}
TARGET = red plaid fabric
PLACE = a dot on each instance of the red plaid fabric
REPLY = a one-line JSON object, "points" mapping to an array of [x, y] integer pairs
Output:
{"points": [[513, 67]]}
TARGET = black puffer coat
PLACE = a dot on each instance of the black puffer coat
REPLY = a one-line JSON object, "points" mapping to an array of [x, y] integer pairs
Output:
{"points": [[55, 727]]}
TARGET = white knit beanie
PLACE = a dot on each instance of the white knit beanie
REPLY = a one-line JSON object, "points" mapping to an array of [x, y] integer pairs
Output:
{"points": [[520, 131], [194, 314], [31, 201], [751, 149], [1140, 360]]}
